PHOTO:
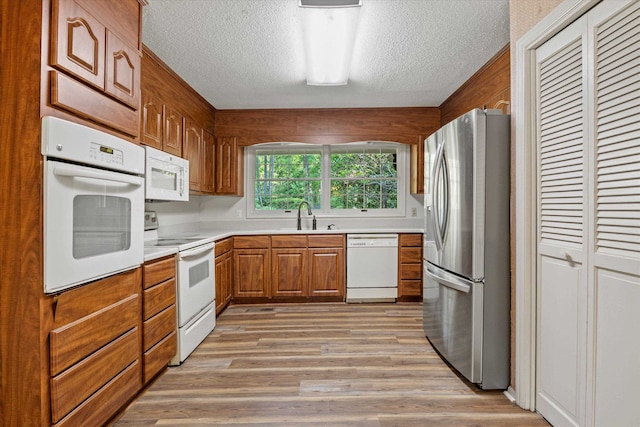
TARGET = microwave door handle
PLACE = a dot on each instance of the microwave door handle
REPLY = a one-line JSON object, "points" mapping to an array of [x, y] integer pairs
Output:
{"points": [[196, 251], [102, 176]]}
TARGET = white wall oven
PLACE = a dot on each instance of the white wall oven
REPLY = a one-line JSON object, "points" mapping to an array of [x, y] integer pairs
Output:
{"points": [[167, 176], [93, 204]]}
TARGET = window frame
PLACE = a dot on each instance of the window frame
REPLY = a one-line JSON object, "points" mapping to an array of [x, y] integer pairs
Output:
{"points": [[402, 163]]}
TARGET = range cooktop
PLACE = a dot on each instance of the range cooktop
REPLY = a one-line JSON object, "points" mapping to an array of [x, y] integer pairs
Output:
{"points": [[171, 242]]}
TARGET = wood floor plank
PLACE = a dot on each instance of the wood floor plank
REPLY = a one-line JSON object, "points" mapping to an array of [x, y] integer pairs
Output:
{"points": [[320, 365]]}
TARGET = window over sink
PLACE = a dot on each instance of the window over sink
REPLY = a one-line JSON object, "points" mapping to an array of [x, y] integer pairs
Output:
{"points": [[354, 179]]}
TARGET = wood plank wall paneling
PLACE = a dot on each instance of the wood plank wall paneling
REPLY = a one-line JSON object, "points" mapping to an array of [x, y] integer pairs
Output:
{"points": [[485, 89], [159, 79], [327, 126], [24, 398]]}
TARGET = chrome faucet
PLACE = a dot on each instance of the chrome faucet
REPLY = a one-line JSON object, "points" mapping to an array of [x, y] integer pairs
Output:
{"points": [[304, 202]]}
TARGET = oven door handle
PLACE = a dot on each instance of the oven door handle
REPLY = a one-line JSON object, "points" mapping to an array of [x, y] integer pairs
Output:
{"points": [[102, 176], [197, 251]]}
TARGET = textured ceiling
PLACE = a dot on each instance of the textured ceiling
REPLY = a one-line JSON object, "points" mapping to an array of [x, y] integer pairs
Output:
{"points": [[242, 54]]}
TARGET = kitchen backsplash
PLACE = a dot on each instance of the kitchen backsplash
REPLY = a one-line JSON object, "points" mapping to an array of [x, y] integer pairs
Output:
{"points": [[221, 212]]}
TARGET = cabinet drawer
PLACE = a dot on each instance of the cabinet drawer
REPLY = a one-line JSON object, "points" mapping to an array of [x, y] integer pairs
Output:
{"points": [[159, 356], [99, 408], [224, 246], [158, 298], [159, 271], [80, 381], [289, 241], [410, 239], [251, 242], [411, 271], [75, 341], [411, 255], [410, 287], [158, 327], [83, 301], [326, 240]]}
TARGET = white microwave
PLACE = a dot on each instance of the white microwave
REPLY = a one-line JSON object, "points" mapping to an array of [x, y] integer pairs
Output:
{"points": [[166, 176]]}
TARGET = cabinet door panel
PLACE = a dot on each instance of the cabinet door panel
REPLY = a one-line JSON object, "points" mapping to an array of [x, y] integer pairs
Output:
{"points": [[327, 272], [172, 134], [289, 272], [229, 167], [208, 163], [78, 42], [192, 149], [151, 121], [252, 272], [123, 71]]}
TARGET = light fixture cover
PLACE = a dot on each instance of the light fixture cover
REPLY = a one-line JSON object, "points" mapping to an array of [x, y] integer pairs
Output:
{"points": [[329, 31]]}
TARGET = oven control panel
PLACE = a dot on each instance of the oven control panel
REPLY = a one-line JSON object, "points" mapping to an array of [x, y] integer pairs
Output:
{"points": [[105, 155]]}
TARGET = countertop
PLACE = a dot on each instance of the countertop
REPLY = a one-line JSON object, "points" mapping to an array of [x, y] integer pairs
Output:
{"points": [[211, 235]]}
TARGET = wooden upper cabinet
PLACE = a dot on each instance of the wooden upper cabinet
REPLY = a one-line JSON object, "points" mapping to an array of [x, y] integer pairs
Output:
{"points": [[123, 71], [172, 134], [208, 184], [151, 121], [94, 62], [417, 168], [229, 167], [192, 146], [78, 43]]}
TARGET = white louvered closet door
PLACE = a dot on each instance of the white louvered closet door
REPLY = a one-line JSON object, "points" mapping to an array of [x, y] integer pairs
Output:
{"points": [[588, 289], [562, 241], [615, 261]]}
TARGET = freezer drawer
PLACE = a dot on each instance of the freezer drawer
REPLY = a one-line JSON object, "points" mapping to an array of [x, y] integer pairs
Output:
{"points": [[453, 319]]}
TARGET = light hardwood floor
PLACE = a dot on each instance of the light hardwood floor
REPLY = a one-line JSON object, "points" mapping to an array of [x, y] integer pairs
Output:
{"points": [[320, 364]]}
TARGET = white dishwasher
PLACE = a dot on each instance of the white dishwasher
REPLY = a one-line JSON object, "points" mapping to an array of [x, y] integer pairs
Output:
{"points": [[372, 267]]}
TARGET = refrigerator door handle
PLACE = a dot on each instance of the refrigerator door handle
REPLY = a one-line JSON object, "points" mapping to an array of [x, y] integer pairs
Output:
{"points": [[435, 193], [455, 283]]}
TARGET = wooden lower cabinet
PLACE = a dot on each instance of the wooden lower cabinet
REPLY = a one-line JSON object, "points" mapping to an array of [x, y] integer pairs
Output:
{"points": [[289, 272], [326, 272], [410, 267], [224, 273], [95, 357], [159, 343], [251, 267], [293, 267], [308, 266]]}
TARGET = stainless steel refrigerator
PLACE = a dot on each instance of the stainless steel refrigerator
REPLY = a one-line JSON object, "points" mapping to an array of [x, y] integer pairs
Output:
{"points": [[466, 248]]}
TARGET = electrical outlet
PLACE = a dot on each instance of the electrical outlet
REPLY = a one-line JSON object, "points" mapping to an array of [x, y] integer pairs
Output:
{"points": [[238, 213], [414, 212]]}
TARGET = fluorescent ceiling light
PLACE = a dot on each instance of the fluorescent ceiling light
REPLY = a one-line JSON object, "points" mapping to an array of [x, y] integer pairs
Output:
{"points": [[329, 31]]}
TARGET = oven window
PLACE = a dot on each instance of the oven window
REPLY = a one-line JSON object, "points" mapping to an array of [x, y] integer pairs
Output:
{"points": [[198, 273], [164, 179], [101, 225]]}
